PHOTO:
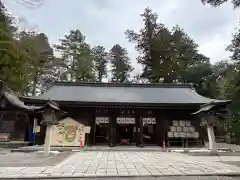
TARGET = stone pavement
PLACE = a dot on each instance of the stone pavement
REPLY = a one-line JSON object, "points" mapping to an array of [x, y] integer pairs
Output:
{"points": [[117, 148], [125, 164], [162, 178], [233, 147], [33, 159]]}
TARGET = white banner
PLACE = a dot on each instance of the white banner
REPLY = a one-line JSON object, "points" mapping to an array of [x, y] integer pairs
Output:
{"points": [[102, 120], [149, 120], [125, 120], [35, 124]]}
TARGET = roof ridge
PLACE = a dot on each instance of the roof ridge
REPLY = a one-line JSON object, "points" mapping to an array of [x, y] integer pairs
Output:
{"points": [[102, 84]]}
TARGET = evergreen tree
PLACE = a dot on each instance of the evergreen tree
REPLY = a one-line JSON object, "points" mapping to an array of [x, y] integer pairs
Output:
{"points": [[100, 61], [120, 63], [42, 65], [165, 54], [215, 3], [13, 63], [76, 57], [232, 87]]}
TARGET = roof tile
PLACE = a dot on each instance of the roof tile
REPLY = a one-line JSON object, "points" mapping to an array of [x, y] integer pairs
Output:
{"points": [[125, 93]]}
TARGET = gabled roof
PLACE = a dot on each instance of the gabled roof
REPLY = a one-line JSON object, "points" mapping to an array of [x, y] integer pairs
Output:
{"points": [[123, 93]]}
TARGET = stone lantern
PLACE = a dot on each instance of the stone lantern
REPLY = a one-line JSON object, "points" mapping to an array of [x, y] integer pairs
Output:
{"points": [[210, 114], [209, 120], [50, 116]]}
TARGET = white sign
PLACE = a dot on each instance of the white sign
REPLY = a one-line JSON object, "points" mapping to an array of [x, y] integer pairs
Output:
{"points": [[37, 129], [35, 125], [149, 120], [87, 129], [102, 120], [124, 120]]}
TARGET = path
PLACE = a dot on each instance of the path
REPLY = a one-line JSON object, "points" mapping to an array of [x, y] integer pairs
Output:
{"points": [[164, 178], [115, 164]]}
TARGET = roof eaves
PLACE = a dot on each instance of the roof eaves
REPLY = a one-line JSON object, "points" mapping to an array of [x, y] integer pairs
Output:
{"points": [[140, 85], [42, 101], [14, 100], [216, 101]]}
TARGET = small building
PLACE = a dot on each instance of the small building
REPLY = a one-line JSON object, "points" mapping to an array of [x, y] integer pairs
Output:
{"points": [[16, 120], [121, 113], [19, 123]]}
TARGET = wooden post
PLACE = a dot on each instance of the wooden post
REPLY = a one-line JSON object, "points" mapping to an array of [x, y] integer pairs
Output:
{"points": [[93, 129], [141, 132], [112, 129], [114, 123], [137, 134]]}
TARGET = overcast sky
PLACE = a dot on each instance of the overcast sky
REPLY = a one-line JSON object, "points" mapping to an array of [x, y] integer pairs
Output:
{"points": [[103, 22]]}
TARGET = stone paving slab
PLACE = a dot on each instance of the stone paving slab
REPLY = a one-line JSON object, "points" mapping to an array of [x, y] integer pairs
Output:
{"points": [[163, 178], [35, 159], [135, 178], [117, 148], [128, 164]]}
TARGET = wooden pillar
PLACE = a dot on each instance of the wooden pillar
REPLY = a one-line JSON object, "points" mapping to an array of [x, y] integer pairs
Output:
{"points": [[166, 125], [137, 125], [42, 134], [139, 130], [112, 128], [93, 127], [162, 126], [159, 129]]}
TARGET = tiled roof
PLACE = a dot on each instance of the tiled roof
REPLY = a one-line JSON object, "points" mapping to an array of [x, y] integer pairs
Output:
{"points": [[124, 93]]}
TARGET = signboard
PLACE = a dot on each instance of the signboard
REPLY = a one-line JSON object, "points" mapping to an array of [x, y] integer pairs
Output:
{"points": [[149, 120], [37, 129], [125, 120], [81, 135], [102, 120], [87, 129], [34, 125], [68, 132]]}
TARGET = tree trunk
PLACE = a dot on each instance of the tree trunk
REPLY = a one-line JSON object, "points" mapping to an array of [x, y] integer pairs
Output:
{"points": [[47, 140], [211, 139]]}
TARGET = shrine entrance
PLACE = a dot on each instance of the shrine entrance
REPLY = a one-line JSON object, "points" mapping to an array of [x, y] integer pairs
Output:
{"points": [[149, 130], [102, 130], [125, 131]]}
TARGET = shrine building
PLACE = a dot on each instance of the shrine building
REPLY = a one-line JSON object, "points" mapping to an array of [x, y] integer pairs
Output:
{"points": [[131, 114]]}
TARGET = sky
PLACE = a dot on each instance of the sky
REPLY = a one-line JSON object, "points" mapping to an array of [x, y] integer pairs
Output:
{"points": [[104, 22]]}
